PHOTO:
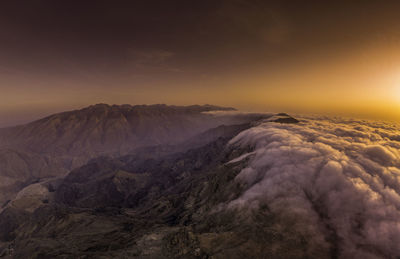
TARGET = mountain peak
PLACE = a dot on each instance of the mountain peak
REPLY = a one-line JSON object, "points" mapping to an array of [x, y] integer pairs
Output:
{"points": [[99, 105], [103, 127]]}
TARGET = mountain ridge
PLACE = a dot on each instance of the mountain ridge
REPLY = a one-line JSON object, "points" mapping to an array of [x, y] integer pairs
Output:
{"points": [[157, 200], [198, 107], [58, 143], [97, 122]]}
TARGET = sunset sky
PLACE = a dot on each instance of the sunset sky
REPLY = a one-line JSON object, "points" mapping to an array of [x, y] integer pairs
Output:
{"points": [[324, 57]]}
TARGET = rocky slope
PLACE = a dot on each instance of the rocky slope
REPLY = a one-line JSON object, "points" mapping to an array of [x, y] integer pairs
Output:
{"points": [[155, 206], [19, 169], [103, 128], [275, 187], [56, 144]]}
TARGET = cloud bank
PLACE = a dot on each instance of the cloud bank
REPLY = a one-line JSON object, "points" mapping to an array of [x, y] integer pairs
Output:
{"points": [[340, 178]]}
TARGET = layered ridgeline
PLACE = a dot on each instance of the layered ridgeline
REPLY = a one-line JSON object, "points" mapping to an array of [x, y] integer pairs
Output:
{"points": [[52, 146], [144, 204], [273, 188]]}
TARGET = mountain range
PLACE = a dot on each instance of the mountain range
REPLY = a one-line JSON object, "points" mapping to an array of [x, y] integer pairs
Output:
{"points": [[131, 182], [52, 146]]}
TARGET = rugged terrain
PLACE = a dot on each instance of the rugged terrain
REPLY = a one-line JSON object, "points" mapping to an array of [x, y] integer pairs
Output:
{"points": [[54, 145], [147, 205], [243, 185]]}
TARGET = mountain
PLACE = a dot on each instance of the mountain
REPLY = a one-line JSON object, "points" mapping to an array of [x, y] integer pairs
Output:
{"points": [[154, 185], [249, 185], [52, 146], [103, 128], [143, 207]]}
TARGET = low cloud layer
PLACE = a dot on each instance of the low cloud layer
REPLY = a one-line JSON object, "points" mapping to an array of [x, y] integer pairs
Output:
{"points": [[339, 178]]}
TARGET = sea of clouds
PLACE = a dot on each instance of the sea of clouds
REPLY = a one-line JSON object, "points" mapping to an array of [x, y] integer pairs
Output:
{"points": [[339, 177]]}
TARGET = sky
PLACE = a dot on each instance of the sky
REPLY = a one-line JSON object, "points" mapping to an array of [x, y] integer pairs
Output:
{"points": [[322, 57]]}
